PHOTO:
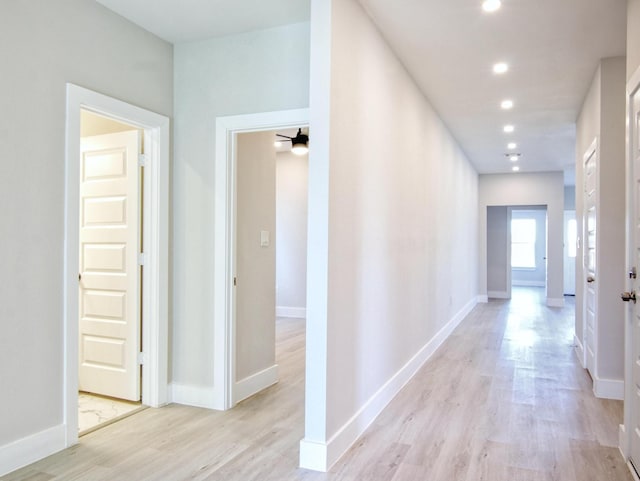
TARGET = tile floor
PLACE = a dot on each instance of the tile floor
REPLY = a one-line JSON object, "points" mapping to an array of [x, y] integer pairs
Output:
{"points": [[95, 411]]}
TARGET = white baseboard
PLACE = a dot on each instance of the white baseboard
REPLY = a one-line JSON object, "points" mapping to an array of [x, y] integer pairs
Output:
{"points": [[296, 312], [25, 451], [197, 396], [579, 351], [255, 383], [498, 295], [608, 388], [320, 456], [551, 302], [527, 283], [482, 299], [622, 441]]}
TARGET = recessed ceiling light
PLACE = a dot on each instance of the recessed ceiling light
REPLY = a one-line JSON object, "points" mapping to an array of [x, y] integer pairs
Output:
{"points": [[514, 158], [508, 129], [506, 104], [277, 143], [512, 145], [515, 168], [500, 67], [491, 5]]}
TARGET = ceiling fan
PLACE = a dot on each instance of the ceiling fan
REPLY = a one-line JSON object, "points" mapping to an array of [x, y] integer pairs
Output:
{"points": [[299, 143]]}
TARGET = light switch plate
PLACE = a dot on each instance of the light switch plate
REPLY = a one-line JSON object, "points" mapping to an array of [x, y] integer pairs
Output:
{"points": [[264, 238]]}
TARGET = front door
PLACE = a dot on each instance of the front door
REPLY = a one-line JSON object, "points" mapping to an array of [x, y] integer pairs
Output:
{"points": [[591, 283], [109, 277]]}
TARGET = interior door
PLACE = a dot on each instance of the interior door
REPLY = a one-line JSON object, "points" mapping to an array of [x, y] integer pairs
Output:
{"points": [[109, 274], [590, 246], [634, 142]]}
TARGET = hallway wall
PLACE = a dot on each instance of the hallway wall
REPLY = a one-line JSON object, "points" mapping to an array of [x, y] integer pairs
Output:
{"points": [[44, 45], [396, 220]]}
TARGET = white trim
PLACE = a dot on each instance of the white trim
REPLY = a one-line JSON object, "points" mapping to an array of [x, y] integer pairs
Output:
{"points": [[255, 383], [223, 296], [498, 295], [294, 312], [528, 283], [321, 456], [155, 331], [608, 388], [482, 299], [190, 395], [622, 441], [579, 348], [553, 302], [634, 475], [25, 451]]}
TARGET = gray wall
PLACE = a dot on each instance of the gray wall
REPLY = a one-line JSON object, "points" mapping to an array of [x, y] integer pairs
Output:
{"points": [[256, 264], [498, 262], [569, 197], [45, 44]]}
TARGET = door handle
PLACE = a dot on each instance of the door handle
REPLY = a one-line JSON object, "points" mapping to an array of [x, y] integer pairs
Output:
{"points": [[628, 296], [591, 279]]}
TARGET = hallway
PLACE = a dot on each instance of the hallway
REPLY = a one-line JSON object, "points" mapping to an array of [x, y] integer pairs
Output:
{"points": [[504, 399]]}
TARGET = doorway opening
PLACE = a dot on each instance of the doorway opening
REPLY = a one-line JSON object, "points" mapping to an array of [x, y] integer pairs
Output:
{"points": [[113, 273], [245, 234], [110, 280], [516, 249]]}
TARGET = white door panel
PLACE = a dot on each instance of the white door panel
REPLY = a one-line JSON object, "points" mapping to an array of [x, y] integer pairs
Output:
{"points": [[110, 285], [635, 401], [589, 261]]}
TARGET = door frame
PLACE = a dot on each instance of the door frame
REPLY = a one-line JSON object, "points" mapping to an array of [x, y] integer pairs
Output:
{"points": [[227, 129], [155, 229], [626, 429]]}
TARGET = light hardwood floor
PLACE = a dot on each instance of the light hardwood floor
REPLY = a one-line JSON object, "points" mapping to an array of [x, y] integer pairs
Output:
{"points": [[504, 399]]}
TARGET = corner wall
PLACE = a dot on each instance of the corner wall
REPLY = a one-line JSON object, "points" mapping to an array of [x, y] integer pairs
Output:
{"points": [[526, 190], [401, 230], [238, 74], [45, 45]]}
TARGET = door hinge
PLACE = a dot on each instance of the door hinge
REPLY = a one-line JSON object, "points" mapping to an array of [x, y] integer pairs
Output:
{"points": [[235, 281], [141, 358], [142, 160], [141, 259]]}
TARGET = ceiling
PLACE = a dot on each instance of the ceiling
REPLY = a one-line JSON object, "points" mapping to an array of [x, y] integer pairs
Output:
{"points": [[552, 48]]}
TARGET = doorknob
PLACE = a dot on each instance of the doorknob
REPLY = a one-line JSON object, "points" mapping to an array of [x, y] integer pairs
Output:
{"points": [[591, 279], [628, 296]]}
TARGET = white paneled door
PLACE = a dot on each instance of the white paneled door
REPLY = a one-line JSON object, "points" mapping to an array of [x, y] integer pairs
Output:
{"points": [[109, 277], [590, 229], [634, 146]]}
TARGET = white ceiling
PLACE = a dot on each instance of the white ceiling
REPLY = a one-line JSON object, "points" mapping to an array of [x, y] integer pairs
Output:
{"points": [[187, 20], [449, 46]]}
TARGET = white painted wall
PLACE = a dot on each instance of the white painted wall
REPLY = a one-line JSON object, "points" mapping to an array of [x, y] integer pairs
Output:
{"points": [[255, 346], [292, 173], [526, 190], [396, 218], [45, 45], [603, 117], [498, 262], [237, 74], [537, 276]]}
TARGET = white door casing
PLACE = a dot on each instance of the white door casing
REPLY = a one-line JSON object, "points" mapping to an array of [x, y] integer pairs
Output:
{"points": [[589, 261], [109, 297], [155, 233]]}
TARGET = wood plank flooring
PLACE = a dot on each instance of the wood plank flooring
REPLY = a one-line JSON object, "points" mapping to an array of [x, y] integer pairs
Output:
{"points": [[504, 399]]}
